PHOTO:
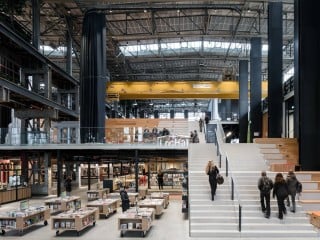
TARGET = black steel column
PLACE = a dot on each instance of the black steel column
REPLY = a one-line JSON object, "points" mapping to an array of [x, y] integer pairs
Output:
{"points": [[228, 108], [243, 100], [93, 77], [69, 50], [5, 119], [59, 172], [36, 24], [136, 168], [307, 85], [255, 89], [275, 96], [89, 174]]}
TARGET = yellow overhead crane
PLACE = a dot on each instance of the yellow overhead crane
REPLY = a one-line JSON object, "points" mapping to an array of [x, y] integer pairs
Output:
{"points": [[176, 90]]}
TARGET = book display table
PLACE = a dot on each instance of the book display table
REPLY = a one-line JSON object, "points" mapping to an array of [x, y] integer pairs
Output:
{"points": [[161, 195], [157, 204], [61, 204], [75, 220], [136, 219], [106, 206], [97, 194], [23, 219]]}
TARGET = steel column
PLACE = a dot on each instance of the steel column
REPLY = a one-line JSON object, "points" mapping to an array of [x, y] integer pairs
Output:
{"points": [[243, 100], [275, 96], [255, 88]]}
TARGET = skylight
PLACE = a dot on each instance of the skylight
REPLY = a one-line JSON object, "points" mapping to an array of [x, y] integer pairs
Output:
{"points": [[191, 46]]}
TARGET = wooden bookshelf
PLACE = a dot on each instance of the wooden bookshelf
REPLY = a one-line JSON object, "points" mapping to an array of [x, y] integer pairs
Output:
{"points": [[75, 220]]}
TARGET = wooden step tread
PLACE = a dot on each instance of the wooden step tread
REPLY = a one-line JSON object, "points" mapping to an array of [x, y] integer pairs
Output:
{"points": [[310, 201]]}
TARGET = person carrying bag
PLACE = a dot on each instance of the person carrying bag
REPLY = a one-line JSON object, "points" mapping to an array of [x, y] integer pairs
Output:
{"points": [[212, 171]]}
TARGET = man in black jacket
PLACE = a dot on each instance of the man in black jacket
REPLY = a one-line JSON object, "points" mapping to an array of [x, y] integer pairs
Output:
{"points": [[265, 185]]}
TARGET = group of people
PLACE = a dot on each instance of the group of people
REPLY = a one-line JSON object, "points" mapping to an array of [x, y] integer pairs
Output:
{"points": [[194, 138], [283, 190]]}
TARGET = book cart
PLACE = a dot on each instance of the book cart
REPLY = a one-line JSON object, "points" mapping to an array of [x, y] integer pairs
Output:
{"points": [[22, 219], [161, 195], [157, 204], [106, 206], [136, 220], [62, 204], [75, 220], [97, 194]]}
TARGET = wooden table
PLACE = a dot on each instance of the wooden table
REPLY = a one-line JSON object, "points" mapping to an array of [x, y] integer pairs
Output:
{"points": [[59, 204], [106, 206], [24, 219], [161, 195], [75, 220], [132, 220], [97, 194], [157, 204]]}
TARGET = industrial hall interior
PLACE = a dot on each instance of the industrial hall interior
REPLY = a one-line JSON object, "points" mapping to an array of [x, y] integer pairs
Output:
{"points": [[131, 119]]}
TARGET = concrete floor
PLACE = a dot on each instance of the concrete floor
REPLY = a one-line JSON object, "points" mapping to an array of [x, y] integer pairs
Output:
{"points": [[172, 224]]}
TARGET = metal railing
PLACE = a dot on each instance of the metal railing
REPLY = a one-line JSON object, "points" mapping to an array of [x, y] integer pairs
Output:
{"points": [[234, 191]]}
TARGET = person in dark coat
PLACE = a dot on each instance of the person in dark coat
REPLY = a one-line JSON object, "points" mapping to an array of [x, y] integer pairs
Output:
{"points": [[292, 183], [280, 190], [212, 171], [265, 185], [160, 179], [68, 185], [125, 202]]}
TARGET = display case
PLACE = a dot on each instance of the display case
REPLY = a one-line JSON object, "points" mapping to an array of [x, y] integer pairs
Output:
{"points": [[106, 206], [22, 219], [61, 204], [136, 219], [97, 194], [75, 220]]}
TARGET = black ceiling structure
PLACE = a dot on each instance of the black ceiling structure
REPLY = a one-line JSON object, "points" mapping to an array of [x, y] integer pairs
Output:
{"points": [[159, 40]]}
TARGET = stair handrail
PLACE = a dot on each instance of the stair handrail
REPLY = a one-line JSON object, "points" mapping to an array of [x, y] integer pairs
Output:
{"points": [[234, 190]]}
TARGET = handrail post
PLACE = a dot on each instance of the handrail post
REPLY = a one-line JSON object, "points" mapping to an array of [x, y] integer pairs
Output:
{"points": [[227, 166], [218, 149], [232, 189], [240, 217]]}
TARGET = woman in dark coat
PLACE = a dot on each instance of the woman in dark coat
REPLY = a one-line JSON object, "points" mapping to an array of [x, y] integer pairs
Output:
{"points": [[280, 190], [292, 183], [125, 202], [68, 185], [212, 171]]}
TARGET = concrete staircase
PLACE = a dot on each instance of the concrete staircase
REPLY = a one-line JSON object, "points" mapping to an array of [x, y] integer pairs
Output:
{"points": [[219, 219]]}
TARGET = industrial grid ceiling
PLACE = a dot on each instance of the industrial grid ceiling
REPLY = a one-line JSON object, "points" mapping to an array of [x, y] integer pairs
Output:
{"points": [[165, 40]]}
